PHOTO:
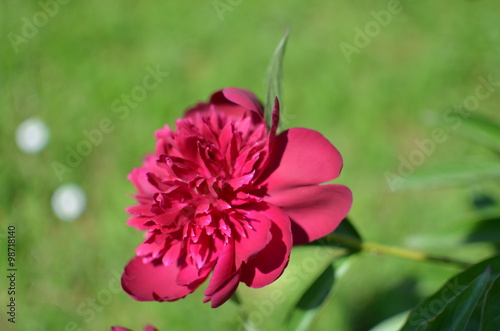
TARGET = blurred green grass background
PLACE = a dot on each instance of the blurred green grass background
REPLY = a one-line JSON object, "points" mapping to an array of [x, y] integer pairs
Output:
{"points": [[429, 57]]}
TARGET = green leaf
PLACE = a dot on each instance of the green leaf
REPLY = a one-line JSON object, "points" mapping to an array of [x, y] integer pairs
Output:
{"points": [[475, 128], [313, 302], [393, 323], [345, 235], [268, 308], [307, 284], [487, 230], [487, 226], [347, 229], [275, 75], [478, 129], [457, 314], [490, 314], [456, 305], [456, 174], [481, 130], [320, 292], [480, 226], [302, 316]]}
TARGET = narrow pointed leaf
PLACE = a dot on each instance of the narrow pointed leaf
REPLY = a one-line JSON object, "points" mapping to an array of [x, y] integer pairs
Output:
{"points": [[457, 174], [482, 131], [275, 74], [475, 128]]}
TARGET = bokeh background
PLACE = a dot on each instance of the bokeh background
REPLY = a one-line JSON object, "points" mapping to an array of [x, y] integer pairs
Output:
{"points": [[372, 105]]}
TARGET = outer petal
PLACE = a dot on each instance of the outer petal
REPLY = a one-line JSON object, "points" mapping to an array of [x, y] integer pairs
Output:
{"points": [[267, 266], [243, 98], [154, 281], [315, 210], [139, 178], [234, 102], [301, 157]]}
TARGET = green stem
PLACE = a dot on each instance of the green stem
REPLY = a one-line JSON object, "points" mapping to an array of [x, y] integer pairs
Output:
{"points": [[380, 249]]}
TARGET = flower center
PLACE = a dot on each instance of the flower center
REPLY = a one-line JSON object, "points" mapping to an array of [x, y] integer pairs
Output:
{"points": [[204, 177]]}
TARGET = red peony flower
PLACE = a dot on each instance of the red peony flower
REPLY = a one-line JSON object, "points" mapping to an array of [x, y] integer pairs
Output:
{"points": [[225, 194]]}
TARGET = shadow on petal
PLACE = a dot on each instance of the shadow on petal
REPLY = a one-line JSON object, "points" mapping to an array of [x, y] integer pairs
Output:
{"points": [[266, 267]]}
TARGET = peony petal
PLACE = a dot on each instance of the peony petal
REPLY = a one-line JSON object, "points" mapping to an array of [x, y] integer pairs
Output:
{"points": [[172, 254], [223, 270], [139, 178], [150, 281], [315, 210], [178, 167], [164, 141], [225, 292], [234, 102], [220, 104], [225, 278], [275, 120], [225, 137], [301, 157], [243, 98], [190, 273], [267, 266], [140, 215], [255, 238]]}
